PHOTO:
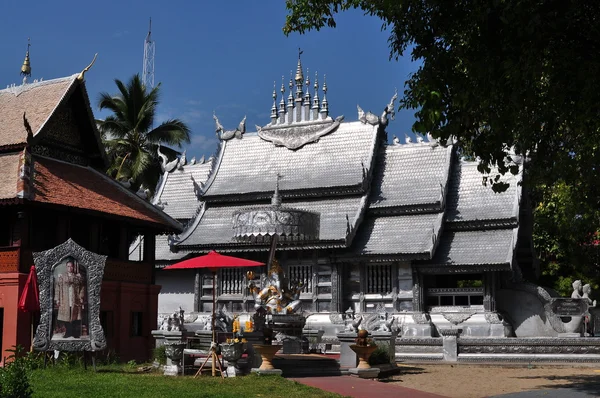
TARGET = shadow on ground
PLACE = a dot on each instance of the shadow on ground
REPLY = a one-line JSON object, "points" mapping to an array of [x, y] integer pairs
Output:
{"points": [[583, 383], [405, 370]]}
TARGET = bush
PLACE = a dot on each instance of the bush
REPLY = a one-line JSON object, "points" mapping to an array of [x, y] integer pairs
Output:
{"points": [[160, 355], [14, 377], [381, 355]]}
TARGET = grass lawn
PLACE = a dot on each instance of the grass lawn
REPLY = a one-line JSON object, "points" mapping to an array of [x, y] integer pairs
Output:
{"points": [[118, 382]]}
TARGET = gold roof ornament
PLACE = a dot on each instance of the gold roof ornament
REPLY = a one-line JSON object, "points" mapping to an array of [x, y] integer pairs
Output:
{"points": [[81, 75], [299, 77], [26, 67]]}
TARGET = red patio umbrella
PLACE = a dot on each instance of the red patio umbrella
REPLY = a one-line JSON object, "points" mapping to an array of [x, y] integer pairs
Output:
{"points": [[30, 297], [213, 261]]}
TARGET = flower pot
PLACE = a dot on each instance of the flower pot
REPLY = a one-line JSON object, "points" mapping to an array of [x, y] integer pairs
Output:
{"points": [[232, 352], [267, 352], [363, 353]]}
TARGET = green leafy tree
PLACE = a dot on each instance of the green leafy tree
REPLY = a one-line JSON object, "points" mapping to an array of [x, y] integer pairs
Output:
{"points": [[130, 140], [495, 74], [565, 237], [501, 75]]}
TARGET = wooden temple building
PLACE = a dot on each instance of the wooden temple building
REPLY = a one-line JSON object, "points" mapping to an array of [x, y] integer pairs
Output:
{"points": [[405, 228], [53, 187]]}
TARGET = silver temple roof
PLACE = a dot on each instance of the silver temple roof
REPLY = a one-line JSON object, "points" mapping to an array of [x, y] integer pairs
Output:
{"points": [[411, 175], [469, 200], [406, 235], [376, 202], [214, 226], [176, 191], [486, 250], [340, 159]]}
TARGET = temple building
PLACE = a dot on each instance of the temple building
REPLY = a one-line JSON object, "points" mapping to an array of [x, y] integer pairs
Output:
{"points": [[407, 229], [53, 187]]}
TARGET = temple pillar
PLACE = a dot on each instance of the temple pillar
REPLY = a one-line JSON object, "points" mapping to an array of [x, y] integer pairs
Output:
{"points": [[418, 291], [197, 290], [336, 288], [489, 291]]}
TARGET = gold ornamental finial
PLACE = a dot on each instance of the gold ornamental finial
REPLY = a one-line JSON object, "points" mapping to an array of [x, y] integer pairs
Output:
{"points": [[26, 67], [81, 75], [299, 77]]}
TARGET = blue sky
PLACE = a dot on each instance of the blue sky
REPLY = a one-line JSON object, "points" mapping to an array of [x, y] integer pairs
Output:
{"points": [[210, 56]]}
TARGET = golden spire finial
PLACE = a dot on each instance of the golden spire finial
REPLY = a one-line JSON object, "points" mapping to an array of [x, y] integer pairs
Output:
{"points": [[26, 67], [81, 75], [299, 76]]}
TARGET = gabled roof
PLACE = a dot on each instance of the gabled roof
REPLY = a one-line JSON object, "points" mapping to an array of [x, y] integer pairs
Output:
{"points": [[35, 102], [66, 184], [9, 175], [475, 251], [470, 202], [412, 236], [339, 162], [411, 177], [338, 219], [178, 190]]}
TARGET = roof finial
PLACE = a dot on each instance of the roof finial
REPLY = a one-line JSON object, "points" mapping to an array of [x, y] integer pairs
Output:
{"points": [[80, 77], [299, 77], [282, 102], [276, 199], [26, 67], [274, 107], [316, 101], [324, 104]]}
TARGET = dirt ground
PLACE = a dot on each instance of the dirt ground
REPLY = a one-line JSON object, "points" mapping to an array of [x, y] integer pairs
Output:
{"points": [[478, 381]]}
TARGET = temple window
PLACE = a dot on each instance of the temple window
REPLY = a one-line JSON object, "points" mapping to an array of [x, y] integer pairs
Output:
{"points": [[136, 323], [379, 279], [303, 274], [231, 281], [463, 290]]}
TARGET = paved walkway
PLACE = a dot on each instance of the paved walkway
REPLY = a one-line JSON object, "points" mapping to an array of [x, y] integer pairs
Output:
{"points": [[362, 388]]}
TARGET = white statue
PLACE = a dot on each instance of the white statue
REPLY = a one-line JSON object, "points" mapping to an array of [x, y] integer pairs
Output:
{"points": [[587, 289], [576, 289]]}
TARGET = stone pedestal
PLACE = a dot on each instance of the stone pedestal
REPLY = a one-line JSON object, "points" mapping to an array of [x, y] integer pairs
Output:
{"points": [[386, 339], [348, 357], [267, 352], [450, 346], [174, 342], [370, 373], [232, 352]]}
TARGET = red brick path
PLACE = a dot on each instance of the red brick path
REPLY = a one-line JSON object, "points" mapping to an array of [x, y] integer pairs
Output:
{"points": [[362, 388]]}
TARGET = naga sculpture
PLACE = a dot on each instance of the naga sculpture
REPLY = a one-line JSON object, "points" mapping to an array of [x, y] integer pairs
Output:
{"points": [[278, 296], [373, 119], [225, 135]]}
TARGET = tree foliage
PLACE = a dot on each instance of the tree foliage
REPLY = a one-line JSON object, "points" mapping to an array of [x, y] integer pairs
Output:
{"points": [[495, 74], [129, 138], [565, 237], [501, 75]]}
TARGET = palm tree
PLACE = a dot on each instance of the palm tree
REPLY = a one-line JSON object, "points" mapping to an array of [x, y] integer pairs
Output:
{"points": [[130, 141]]}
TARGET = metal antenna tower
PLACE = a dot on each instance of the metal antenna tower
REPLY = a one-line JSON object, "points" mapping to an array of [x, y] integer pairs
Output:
{"points": [[148, 69]]}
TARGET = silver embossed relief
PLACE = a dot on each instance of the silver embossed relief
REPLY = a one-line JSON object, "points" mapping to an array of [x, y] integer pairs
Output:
{"points": [[70, 279]]}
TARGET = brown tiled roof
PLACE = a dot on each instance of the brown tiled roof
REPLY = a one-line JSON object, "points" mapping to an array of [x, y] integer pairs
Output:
{"points": [[66, 184], [9, 174], [36, 100]]}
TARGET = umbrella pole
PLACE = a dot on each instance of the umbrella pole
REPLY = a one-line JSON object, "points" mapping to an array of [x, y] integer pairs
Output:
{"points": [[213, 347]]}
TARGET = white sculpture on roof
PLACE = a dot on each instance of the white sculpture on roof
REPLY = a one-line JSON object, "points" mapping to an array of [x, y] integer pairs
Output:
{"points": [[225, 135]]}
